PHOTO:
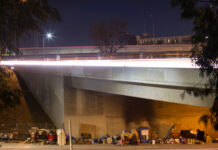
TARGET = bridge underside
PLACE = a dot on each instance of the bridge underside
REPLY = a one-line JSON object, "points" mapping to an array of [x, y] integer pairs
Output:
{"points": [[112, 105], [140, 90], [161, 84]]}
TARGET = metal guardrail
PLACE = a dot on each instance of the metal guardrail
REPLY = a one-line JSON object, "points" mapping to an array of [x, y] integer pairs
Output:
{"points": [[92, 52], [95, 49]]}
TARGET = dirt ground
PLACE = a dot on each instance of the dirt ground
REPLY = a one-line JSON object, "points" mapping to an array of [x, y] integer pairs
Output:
{"points": [[28, 111]]}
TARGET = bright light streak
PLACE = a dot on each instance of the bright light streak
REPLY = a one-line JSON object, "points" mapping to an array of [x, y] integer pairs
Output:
{"points": [[143, 63]]}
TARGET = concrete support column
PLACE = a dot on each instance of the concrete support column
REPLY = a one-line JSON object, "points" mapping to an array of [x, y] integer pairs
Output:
{"points": [[93, 108], [49, 92]]}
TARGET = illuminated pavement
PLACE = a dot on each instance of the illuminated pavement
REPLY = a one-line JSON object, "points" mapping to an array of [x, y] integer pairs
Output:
{"points": [[142, 63], [109, 147]]}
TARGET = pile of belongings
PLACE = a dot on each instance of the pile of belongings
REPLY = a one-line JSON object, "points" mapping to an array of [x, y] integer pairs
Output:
{"points": [[85, 138], [186, 137], [133, 137], [7, 137], [4, 137], [43, 136]]}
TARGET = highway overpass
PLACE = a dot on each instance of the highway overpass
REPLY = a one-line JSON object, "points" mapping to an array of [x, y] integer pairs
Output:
{"points": [[71, 89], [91, 52]]}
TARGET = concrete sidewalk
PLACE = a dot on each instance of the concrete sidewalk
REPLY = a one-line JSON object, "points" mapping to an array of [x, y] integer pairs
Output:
{"points": [[21, 146]]}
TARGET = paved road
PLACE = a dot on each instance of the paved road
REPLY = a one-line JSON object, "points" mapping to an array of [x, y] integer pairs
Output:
{"points": [[107, 147]]}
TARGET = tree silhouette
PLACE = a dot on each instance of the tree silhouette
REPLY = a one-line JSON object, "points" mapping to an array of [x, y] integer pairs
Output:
{"points": [[204, 14], [108, 35], [17, 19]]}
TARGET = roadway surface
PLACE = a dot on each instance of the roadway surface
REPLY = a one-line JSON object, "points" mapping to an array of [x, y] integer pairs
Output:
{"points": [[22, 146]]}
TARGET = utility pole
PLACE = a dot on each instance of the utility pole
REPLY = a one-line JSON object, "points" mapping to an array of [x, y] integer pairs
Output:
{"points": [[152, 27]]}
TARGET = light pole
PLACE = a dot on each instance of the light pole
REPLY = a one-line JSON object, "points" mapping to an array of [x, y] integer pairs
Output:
{"points": [[153, 24], [151, 17], [152, 27], [48, 36]]}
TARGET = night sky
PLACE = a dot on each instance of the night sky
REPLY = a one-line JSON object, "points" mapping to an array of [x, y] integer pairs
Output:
{"points": [[79, 15]]}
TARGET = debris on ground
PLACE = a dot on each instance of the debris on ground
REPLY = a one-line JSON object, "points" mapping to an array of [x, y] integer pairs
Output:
{"points": [[127, 137]]}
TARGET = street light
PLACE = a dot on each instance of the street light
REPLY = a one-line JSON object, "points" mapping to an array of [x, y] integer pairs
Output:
{"points": [[47, 36]]}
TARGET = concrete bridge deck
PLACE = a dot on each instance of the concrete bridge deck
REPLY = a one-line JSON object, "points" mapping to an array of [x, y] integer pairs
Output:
{"points": [[90, 91], [157, 79]]}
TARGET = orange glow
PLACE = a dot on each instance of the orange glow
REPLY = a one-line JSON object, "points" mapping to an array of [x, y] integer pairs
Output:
{"points": [[24, 1]]}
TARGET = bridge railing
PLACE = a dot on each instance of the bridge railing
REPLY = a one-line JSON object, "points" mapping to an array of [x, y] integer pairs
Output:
{"points": [[92, 52]]}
